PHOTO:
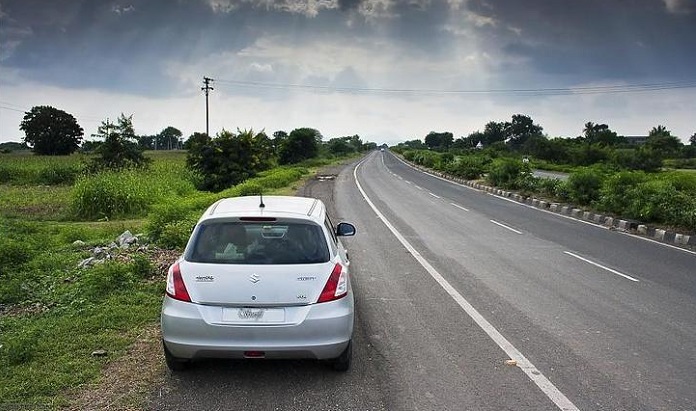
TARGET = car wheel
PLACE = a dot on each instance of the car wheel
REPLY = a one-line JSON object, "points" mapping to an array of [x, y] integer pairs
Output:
{"points": [[173, 363], [342, 362]]}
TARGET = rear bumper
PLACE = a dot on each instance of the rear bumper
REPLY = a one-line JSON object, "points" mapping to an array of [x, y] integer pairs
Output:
{"points": [[319, 331]]}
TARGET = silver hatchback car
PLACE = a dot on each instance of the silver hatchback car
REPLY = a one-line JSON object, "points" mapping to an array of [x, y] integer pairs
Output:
{"points": [[261, 277]]}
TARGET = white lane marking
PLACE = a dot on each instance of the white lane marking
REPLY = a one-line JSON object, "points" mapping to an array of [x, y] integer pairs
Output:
{"points": [[544, 384], [438, 177], [459, 207], [436, 196], [595, 225], [417, 186], [407, 182], [505, 227], [399, 177], [601, 266]]}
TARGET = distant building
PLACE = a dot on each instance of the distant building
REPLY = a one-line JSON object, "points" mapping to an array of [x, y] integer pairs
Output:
{"points": [[636, 140]]}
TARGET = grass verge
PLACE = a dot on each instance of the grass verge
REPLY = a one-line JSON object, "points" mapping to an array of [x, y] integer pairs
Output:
{"points": [[55, 317]]}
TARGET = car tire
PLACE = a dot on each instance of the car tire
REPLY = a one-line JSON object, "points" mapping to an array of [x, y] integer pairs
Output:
{"points": [[342, 362], [173, 363]]}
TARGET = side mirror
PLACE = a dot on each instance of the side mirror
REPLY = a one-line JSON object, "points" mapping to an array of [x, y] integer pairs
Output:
{"points": [[345, 230]]}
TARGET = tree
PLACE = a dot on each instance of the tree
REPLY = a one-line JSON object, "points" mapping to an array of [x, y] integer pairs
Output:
{"points": [[439, 141], [196, 139], [692, 140], [662, 142], [229, 159], [492, 133], [168, 139], [119, 149], [301, 144], [520, 129], [339, 146], [51, 131], [601, 134]]}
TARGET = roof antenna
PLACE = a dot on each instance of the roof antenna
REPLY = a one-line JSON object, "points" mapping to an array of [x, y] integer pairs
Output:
{"points": [[262, 205]]}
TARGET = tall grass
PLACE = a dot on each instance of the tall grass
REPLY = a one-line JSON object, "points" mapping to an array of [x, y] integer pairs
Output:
{"points": [[123, 194], [28, 169]]}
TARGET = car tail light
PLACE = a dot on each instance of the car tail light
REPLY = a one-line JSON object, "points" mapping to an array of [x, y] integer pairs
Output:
{"points": [[175, 284], [337, 285]]}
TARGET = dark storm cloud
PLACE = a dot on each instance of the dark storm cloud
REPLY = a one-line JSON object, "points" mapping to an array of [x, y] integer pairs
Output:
{"points": [[348, 4], [595, 39], [126, 45]]}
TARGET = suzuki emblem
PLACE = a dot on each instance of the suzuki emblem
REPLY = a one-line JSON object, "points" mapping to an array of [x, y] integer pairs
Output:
{"points": [[254, 278]]}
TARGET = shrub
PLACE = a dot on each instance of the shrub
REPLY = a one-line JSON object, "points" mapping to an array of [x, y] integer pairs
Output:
{"points": [[176, 233], [166, 213], [142, 267], [659, 201], [584, 186], [229, 159], [468, 167], [504, 172], [637, 159], [615, 194]]}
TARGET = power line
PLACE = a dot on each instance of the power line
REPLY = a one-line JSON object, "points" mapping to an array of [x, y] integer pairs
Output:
{"points": [[560, 91]]}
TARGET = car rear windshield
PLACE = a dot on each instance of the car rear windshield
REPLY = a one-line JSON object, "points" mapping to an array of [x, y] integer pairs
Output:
{"points": [[259, 243]]}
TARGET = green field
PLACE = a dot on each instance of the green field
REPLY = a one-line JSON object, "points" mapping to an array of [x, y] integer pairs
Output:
{"points": [[54, 315]]}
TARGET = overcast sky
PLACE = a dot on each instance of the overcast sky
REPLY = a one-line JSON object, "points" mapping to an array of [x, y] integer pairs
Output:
{"points": [[344, 67]]}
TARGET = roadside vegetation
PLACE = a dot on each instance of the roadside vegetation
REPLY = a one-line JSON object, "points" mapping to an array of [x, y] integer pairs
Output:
{"points": [[63, 319], [649, 179]]}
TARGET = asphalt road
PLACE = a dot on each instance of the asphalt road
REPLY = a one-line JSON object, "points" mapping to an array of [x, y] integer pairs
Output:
{"points": [[596, 319]]}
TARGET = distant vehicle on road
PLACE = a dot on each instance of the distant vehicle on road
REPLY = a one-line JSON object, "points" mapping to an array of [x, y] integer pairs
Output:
{"points": [[261, 277]]}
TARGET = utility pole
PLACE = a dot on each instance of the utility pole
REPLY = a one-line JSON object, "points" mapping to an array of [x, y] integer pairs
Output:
{"points": [[207, 89]]}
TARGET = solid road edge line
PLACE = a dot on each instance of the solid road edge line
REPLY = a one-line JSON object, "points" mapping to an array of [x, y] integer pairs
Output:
{"points": [[544, 384]]}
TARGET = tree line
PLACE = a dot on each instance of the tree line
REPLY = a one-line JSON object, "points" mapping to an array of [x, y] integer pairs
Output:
{"points": [[597, 144], [218, 162]]}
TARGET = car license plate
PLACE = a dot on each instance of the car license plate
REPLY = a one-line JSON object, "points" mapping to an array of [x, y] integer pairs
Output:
{"points": [[253, 315]]}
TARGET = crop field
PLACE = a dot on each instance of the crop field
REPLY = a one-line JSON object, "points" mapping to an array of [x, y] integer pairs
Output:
{"points": [[61, 324]]}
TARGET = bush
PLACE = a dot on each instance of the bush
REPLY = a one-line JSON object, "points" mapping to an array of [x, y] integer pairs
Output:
{"points": [[505, 172], [584, 186], [637, 159], [230, 159], [468, 167], [615, 194], [176, 233], [659, 201]]}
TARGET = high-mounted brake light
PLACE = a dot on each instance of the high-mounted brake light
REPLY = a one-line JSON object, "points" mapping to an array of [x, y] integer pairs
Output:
{"points": [[337, 285], [262, 219], [175, 284]]}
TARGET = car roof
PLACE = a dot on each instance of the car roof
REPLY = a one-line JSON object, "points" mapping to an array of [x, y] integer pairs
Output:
{"points": [[274, 206]]}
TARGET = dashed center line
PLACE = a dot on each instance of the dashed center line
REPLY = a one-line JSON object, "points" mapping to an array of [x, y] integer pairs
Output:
{"points": [[436, 196], [459, 207], [505, 227], [417, 186], [602, 267], [532, 372]]}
